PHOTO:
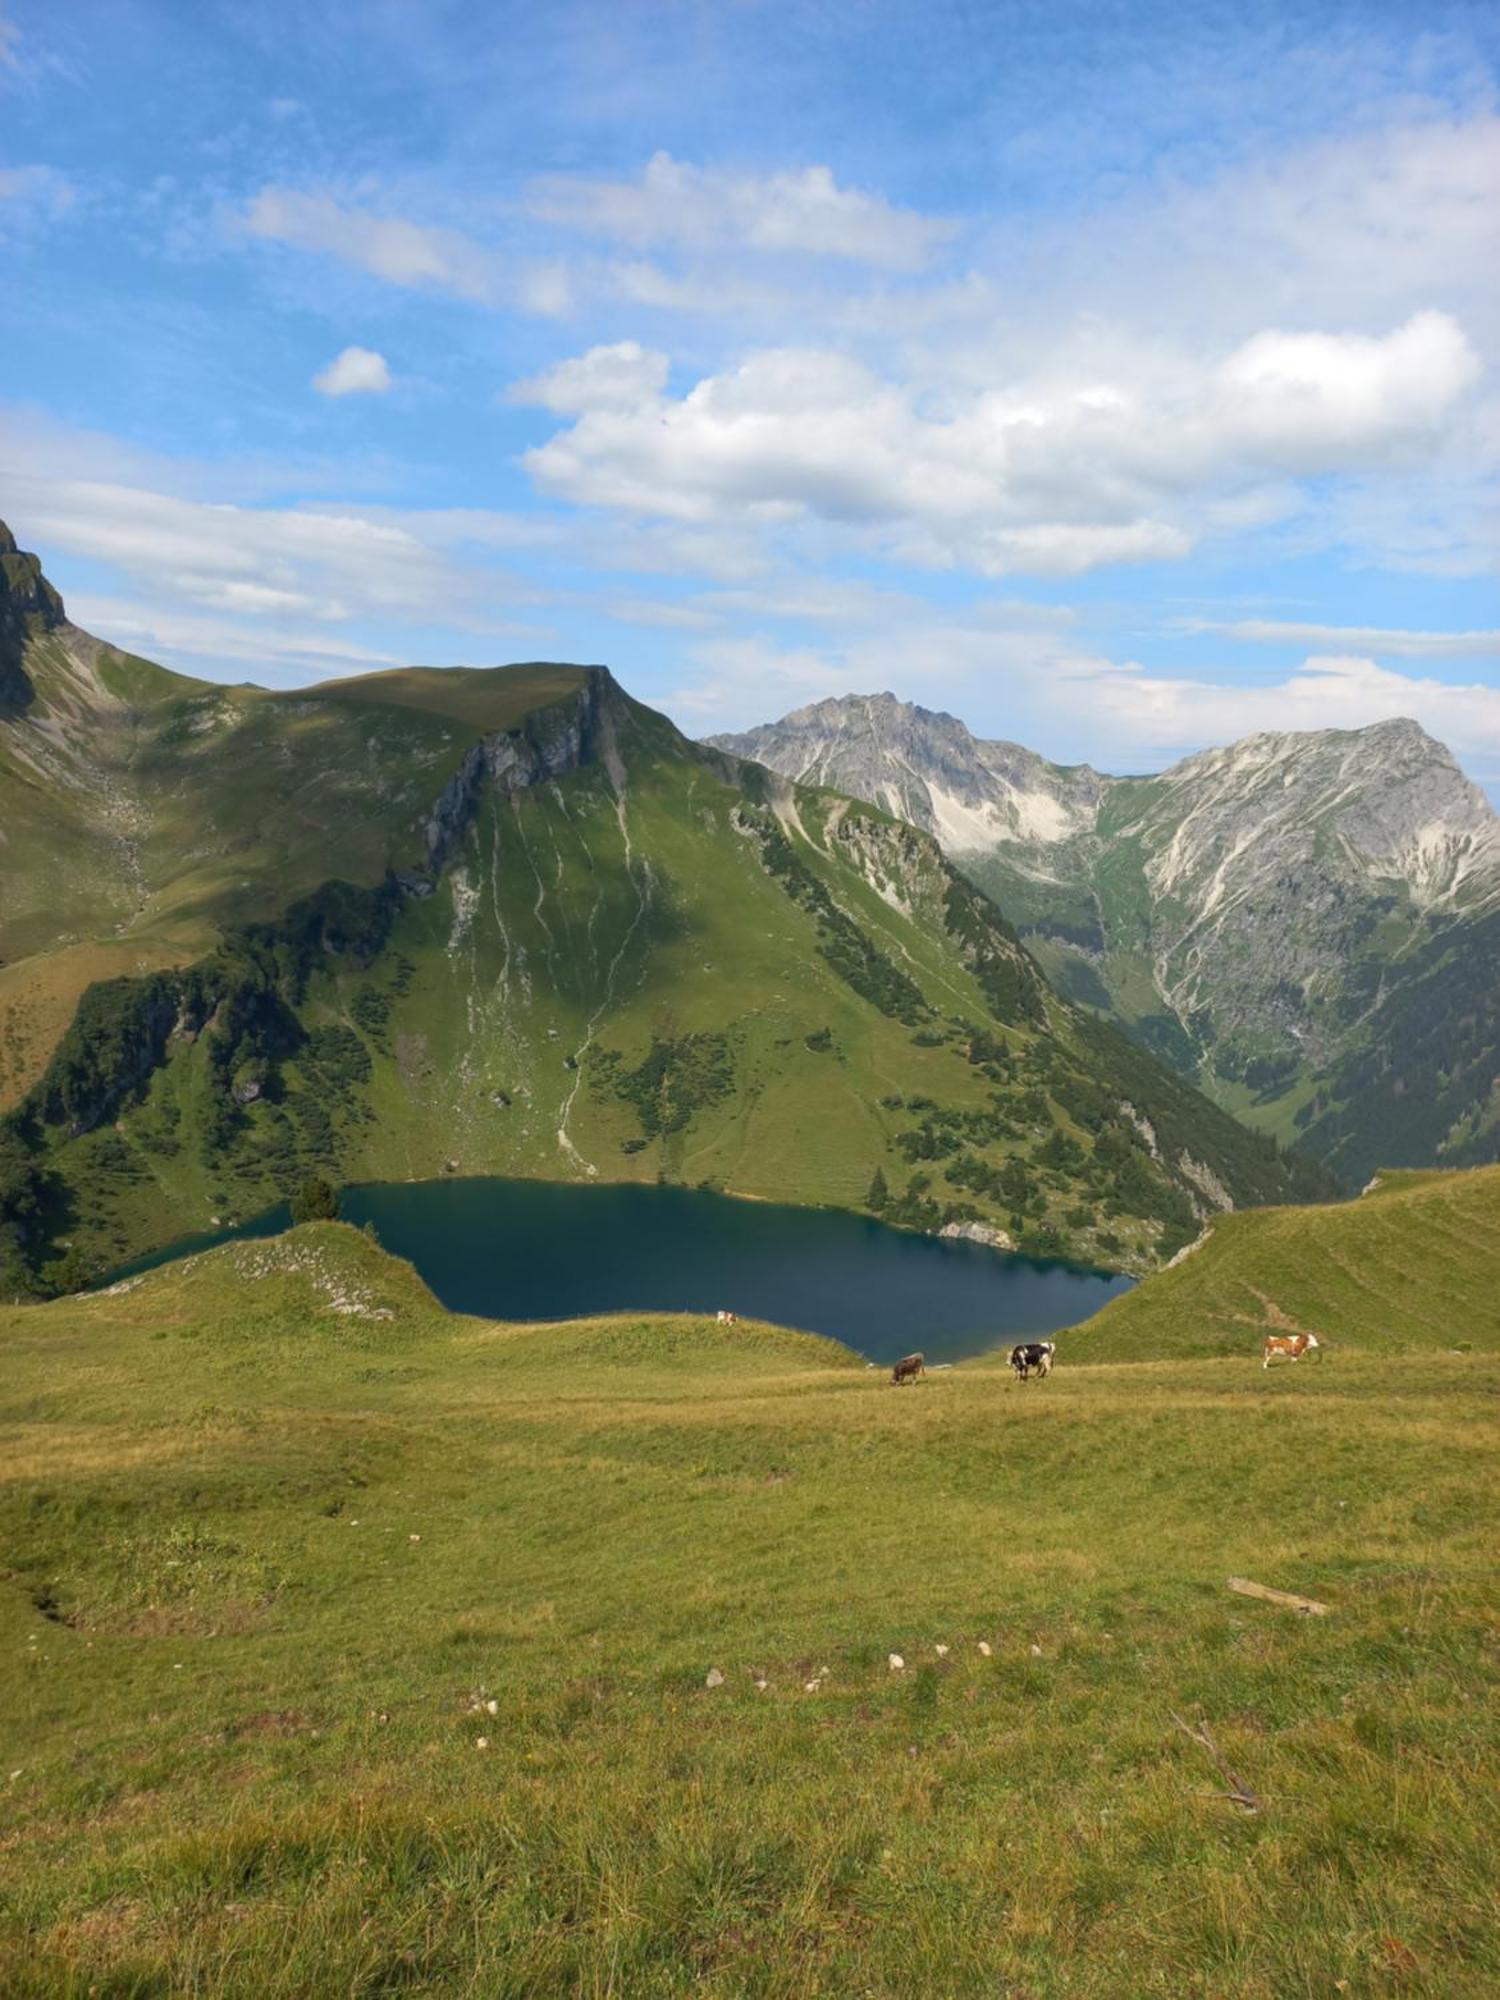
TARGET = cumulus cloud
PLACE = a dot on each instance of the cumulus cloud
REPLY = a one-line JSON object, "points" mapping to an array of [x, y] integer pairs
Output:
{"points": [[1051, 476], [387, 246], [358, 371], [1306, 401], [800, 212], [620, 377]]}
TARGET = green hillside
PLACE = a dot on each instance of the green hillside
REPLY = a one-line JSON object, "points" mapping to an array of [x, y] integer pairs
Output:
{"points": [[1412, 1267], [349, 1648], [510, 921]]}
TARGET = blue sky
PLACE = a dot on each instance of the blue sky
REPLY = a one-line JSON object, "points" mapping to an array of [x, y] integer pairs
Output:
{"points": [[1122, 379]]}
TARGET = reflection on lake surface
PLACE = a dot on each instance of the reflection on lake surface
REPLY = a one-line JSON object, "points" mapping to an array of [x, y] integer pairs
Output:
{"points": [[531, 1250]]}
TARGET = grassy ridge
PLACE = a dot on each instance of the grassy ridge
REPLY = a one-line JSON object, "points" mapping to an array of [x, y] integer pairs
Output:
{"points": [[243, 1704], [1413, 1263]]}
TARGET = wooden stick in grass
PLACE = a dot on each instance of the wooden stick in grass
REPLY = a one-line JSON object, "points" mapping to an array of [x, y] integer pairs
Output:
{"points": [[1238, 1790], [1248, 1589]]}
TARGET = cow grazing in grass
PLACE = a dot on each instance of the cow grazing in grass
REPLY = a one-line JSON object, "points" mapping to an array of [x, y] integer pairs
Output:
{"points": [[727, 1318], [1033, 1357], [1292, 1345], [908, 1369]]}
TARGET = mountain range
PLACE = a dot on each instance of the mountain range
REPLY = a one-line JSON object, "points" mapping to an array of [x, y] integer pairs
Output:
{"points": [[1305, 924], [511, 921]]}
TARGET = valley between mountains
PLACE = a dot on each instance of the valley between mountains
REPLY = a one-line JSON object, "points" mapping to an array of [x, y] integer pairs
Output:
{"points": [[511, 921], [1306, 925]]}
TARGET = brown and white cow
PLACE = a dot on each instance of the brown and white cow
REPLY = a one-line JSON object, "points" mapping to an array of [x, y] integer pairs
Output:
{"points": [[908, 1369], [1292, 1345]]}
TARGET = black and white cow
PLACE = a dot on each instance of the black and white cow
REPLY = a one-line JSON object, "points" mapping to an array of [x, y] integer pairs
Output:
{"points": [[1032, 1357]]}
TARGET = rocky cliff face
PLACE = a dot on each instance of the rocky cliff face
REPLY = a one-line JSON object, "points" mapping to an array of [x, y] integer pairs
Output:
{"points": [[29, 606], [548, 744], [1249, 913]]}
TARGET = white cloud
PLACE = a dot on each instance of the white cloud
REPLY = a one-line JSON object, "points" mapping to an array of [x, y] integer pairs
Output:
{"points": [[1156, 713], [749, 680], [248, 559], [1355, 225], [606, 378], [388, 246], [1303, 401], [1360, 638], [280, 654], [1053, 475], [358, 371], [802, 212]]}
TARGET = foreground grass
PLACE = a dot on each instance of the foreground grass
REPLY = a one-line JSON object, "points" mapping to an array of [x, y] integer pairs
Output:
{"points": [[243, 1704]]}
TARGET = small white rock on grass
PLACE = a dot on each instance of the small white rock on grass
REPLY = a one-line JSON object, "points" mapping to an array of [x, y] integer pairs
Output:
{"points": [[1036, 1652], [481, 1743], [713, 1678], [984, 1647], [941, 1651], [492, 1707], [896, 1663]]}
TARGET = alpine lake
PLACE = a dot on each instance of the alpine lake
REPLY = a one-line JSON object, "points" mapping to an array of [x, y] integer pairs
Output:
{"points": [[546, 1250]]}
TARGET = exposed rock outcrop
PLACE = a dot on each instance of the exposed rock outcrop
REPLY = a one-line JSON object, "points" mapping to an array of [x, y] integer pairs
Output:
{"points": [[29, 606], [978, 1232], [545, 745]]}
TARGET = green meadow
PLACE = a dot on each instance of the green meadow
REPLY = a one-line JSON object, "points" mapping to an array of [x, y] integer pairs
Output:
{"points": [[353, 1648]]}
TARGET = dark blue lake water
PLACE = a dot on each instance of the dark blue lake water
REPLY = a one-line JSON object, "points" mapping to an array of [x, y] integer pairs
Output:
{"points": [[547, 1250]]}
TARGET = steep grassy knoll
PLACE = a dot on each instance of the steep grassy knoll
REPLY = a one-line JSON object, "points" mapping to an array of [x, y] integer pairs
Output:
{"points": [[1412, 1265], [243, 1704]]}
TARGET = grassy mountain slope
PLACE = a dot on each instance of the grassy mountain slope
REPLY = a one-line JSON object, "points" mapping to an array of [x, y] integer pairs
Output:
{"points": [[510, 921], [241, 1706], [143, 812], [1412, 1265]]}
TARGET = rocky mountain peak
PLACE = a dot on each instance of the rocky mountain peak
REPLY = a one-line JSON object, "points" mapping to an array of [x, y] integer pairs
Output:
{"points": [[1383, 803], [29, 606], [927, 767]]}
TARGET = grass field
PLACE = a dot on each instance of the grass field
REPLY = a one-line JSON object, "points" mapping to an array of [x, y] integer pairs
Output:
{"points": [[352, 1648], [1415, 1263]]}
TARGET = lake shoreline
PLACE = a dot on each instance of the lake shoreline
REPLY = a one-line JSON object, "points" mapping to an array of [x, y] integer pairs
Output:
{"points": [[542, 1252]]}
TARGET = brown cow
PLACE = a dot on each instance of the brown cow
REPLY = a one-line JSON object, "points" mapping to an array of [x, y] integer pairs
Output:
{"points": [[908, 1369], [1292, 1345]]}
